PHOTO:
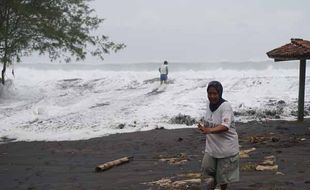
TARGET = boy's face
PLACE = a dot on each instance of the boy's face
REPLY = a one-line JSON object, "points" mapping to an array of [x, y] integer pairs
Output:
{"points": [[213, 95]]}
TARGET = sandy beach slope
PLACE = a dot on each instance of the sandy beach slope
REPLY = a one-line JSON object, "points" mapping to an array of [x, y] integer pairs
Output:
{"points": [[71, 164]]}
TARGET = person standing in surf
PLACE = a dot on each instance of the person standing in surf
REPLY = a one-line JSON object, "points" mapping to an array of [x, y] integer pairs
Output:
{"points": [[163, 70], [220, 164]]}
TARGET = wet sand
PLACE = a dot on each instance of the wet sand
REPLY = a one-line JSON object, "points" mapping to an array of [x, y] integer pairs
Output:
{"points": [[71, 164]]}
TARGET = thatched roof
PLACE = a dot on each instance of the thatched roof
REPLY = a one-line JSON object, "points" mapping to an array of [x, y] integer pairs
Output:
{"points": [[296, 50]]}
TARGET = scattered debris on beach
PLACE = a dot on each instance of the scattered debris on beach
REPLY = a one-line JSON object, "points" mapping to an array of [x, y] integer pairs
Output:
{"points": [[179, 159], [245, 153], [268, 164], [123, 125], [159, 128], [183, 119], [264, 138], [179, 182], [108, 165], [274, 187]]}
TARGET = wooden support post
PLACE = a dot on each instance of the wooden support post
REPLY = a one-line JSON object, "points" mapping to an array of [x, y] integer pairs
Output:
{"points": [[301, 95]]}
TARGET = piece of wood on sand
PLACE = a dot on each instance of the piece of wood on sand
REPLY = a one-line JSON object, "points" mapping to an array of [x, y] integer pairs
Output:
{"points": [[108, 165]]}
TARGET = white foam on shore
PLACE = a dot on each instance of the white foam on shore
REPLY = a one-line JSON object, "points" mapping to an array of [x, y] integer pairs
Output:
{"points": [[71, 104]]}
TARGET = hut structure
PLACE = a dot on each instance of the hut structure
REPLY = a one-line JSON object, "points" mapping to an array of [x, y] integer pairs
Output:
{"points": [[298, 49]]}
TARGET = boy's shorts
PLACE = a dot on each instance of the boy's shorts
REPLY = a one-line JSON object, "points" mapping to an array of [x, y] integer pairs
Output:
{"points": [[224, 170], [163, 77]]}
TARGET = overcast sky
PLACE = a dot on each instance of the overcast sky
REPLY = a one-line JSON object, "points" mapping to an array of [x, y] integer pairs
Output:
{"points": [[201, 30]]}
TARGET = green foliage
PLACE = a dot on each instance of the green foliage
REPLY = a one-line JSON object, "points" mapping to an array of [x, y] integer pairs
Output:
{"points": [[60, 28]]}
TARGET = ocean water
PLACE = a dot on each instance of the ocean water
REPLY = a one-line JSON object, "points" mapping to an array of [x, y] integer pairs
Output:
{"points": [[81, 101]]}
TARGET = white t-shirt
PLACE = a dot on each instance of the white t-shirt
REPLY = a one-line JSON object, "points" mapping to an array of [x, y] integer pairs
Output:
{"points": [[163, 69], [225, 144]]}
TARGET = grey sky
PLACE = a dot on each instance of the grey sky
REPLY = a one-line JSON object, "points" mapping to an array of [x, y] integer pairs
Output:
{"points": [[201, 30]]}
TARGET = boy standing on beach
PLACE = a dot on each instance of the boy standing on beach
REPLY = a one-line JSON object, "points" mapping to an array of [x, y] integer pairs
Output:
{"points": [[220, 164], [163, 70]]}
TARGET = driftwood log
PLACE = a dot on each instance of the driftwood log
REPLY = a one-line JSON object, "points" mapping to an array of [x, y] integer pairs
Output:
{"points": [[108, 165]]}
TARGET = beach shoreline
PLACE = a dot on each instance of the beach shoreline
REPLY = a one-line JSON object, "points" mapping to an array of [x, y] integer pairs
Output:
{"points": [[71, 164]]}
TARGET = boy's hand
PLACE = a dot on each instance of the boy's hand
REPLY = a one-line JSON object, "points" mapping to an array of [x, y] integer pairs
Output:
{"points": [[204, 130], [200, 127]]}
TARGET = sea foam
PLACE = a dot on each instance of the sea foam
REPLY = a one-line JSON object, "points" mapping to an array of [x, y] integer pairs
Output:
{"points": [[73, 101]]}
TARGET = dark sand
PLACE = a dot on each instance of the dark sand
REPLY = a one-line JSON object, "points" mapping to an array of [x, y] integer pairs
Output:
{"points": [[71, 164]]}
